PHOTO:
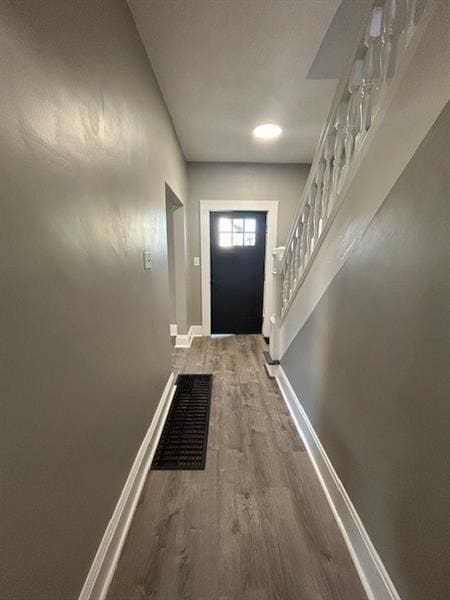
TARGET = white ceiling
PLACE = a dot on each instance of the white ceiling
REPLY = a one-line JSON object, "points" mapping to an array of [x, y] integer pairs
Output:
{"points": [[225, 66]]}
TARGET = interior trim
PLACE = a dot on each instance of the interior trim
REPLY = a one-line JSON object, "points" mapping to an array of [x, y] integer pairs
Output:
{"points": [[208, 206], [373, 574], [105, 561], [184, 340]]}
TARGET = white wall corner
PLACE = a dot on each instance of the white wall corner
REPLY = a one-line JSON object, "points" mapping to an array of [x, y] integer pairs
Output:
{"points": [[197, 330], [374, 576], [106, 559], [185, 340]]}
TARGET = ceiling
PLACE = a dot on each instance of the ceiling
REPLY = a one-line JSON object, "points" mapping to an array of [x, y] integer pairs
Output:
{"points": [[225, 66]]}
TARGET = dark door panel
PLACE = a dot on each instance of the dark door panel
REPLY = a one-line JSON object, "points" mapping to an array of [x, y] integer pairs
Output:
{"points": [[238, 244]]}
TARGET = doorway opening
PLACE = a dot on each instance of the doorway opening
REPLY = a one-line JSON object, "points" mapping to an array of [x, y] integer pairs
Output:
{"points": [[238, 247], [208, 208], [176, 265]]}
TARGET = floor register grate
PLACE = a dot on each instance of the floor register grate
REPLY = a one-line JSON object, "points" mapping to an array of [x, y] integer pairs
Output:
{"points": [[184, 439]]}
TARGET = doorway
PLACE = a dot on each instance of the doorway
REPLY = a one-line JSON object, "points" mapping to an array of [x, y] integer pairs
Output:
{"points": [[176, 263], [238, 245], [207, 210]]}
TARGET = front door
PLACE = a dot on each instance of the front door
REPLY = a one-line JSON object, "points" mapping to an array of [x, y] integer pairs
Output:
{"points": [[238, 245]]}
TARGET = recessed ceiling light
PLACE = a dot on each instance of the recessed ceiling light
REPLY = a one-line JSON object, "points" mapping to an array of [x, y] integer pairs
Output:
{"points": [[268, 131]]}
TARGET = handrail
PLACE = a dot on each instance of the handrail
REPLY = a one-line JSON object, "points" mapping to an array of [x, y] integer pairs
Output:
{"points": [[359, 99]]}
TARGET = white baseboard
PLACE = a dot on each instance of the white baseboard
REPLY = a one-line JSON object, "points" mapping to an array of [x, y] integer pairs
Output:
{"points": [[105, 561], [374, 577], [185, 340], [272, 370]]}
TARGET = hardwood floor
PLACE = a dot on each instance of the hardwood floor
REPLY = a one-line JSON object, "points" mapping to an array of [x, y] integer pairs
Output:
{"points": [[255, 525]]}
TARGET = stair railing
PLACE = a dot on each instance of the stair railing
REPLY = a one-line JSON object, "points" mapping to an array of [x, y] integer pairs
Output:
{"points": [[358, 102]]}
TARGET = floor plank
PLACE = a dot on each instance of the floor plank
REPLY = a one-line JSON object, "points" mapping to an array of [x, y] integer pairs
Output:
{"points": [[255, 525]]}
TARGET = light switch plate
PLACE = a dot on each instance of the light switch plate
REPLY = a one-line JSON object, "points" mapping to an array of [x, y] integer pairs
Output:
{"points": [[196, 261], [147, 260]]}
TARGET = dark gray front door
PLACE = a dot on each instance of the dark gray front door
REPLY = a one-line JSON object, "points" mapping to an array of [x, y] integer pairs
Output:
{"points": [[238, 243]]}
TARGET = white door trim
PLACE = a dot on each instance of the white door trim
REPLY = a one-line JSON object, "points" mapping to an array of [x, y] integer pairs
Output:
{"points": [[208, 206]]}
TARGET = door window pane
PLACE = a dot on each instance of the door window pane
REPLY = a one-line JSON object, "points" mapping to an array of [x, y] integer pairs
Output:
{"points": [[238, 226], [249, 239], [238, 239], [237, 232], [224, 225], [225, 240], [250, 225]]}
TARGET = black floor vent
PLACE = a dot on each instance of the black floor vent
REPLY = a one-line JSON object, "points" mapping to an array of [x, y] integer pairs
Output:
{"points": [[184, 438]]}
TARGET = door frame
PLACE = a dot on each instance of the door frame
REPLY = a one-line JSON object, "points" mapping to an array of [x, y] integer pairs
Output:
{"points": [[206, 208]]}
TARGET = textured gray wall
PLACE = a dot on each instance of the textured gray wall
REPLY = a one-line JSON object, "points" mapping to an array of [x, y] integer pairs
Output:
{"points": [[86, 148], [230, 181], [371, 367]]}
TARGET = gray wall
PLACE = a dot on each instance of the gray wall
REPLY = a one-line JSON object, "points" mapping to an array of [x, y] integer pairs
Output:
{"points": [[86, 148], [371, 367], [229, 181]]}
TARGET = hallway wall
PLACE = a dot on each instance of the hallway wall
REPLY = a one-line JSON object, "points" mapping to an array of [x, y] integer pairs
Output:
{"points": [[371, 368], [86, 148], [231, 181]]}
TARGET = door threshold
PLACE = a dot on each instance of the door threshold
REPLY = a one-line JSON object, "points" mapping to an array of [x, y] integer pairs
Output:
{"points": [[222, 335]]}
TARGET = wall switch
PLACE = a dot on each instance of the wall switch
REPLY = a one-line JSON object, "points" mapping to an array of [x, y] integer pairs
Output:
{"points": [[147, 260], [196, 261]]}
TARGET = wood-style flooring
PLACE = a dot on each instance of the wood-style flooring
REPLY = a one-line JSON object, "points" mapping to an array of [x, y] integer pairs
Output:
{"points": [[255, 525]]}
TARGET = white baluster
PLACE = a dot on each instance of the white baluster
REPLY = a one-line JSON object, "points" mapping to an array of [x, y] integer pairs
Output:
{"points": [[319, 198], [303, 241], [336, 151], [370, 74], [351, 124], [294, 262], [300, 250], [285, 285], [387, 54], [308, 218], [298, 263], [286, 277], [291, 273], [294, 255], [315, 208], [305, 219]]}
